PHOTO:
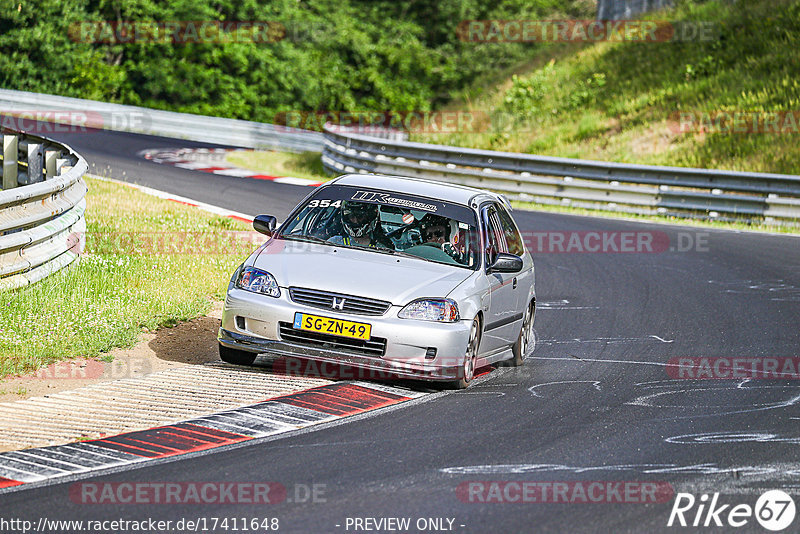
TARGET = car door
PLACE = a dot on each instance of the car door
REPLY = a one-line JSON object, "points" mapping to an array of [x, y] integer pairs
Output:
{"points": [[502, 318], [524, 279]]}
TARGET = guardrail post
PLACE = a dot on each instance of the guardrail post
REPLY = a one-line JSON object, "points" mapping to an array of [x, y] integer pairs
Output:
{"points": [[35, 159], [61, 163], [50, 163], [10, 165]]}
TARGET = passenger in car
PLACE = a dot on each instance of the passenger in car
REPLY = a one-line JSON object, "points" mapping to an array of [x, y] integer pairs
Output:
{"points": [[435, 231]]}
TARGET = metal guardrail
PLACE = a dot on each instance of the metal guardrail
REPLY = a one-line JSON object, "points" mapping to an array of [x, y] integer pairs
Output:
{"points": [[135, 119], [41, 208], [621, 187]]}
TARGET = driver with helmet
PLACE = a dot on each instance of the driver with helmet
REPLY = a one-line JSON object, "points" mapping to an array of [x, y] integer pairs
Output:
{"points": [[361, 227]]}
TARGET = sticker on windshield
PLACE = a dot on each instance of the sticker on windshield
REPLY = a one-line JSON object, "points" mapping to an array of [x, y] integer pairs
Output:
{"points": [[386, 198], [408, 218], [324, 203]]}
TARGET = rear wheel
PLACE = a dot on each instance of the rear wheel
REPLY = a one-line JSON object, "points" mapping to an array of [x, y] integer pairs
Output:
{"points": [[235, 356], [467, 370], [526, 338]]}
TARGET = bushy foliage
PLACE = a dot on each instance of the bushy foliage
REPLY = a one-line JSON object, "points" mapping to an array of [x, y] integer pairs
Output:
{"points": [[621, 101], [335, 54]]}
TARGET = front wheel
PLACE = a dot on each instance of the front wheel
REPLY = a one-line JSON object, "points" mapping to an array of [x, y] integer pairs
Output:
{"points": [[467, 370], [524, 341], [235, 356]]}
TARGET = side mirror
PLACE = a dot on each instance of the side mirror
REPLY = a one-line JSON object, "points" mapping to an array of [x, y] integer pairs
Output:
{"points": [[265, 224], [506, 263]]}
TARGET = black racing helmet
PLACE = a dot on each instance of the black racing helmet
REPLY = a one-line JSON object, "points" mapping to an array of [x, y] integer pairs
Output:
{"points": [[359, 218]]}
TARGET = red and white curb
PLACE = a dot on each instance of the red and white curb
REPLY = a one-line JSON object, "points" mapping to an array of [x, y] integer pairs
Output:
{"points": [[179, 199], [274, 416], [212, 160]]}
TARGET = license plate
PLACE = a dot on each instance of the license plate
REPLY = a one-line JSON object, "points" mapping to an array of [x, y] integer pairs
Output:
{"points": [[335, 327]]}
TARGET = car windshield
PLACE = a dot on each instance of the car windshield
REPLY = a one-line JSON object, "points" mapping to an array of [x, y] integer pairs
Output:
{"points": [[387, 222]]}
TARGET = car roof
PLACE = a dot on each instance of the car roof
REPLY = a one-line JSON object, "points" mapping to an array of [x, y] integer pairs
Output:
{"points": [[458, 194]]}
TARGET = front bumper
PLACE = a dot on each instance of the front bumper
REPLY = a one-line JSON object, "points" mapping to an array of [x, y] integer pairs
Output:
{"points": [[384, 368], [251, 322]]}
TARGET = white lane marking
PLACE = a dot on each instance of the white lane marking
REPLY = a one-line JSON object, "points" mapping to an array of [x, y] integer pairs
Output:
{"points": [[44, 461], [596, 360], [193, 166], [239, 173], [295, 181], [671, 383], [662, 339], [647, 401], [562, 304], [712, 438], [608, 340], [395, 390], [700, 469], [27, 469], [19, 475], [595, 383], [558, 308], [104, 454]]}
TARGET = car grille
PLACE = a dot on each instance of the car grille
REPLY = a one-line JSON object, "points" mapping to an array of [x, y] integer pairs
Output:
{"points": [[325, 300], [374, 346]]}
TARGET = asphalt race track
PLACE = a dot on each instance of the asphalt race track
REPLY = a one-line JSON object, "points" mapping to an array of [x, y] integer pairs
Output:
{"points": [[115, 155], [596, 402]]}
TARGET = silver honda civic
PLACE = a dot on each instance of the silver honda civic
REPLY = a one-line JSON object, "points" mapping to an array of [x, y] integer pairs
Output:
{"points": [[406, 277]]}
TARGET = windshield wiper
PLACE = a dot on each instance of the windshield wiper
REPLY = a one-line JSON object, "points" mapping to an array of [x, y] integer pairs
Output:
{"points": [[395, 252], [306, 238]]}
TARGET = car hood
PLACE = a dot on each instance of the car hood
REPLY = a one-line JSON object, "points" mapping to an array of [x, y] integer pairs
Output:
{"points": [[361, 273]]}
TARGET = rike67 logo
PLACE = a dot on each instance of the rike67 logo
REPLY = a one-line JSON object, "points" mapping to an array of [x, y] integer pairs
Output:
{"points": [[774, 510]]}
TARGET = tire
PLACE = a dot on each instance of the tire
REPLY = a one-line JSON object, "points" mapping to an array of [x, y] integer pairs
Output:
{"points": [[522, 345], [467, 371], [235, 356]]}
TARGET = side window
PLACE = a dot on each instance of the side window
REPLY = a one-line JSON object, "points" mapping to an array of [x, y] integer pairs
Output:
{"points": [[512, 236], [495, 240]]}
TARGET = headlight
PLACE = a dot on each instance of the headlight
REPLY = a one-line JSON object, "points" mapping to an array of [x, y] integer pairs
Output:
{"points": [[258, 281], [441, 310]]}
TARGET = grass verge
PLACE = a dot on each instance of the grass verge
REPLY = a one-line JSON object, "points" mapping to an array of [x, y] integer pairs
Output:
{"points": [[149, 263], [304, 165]]}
